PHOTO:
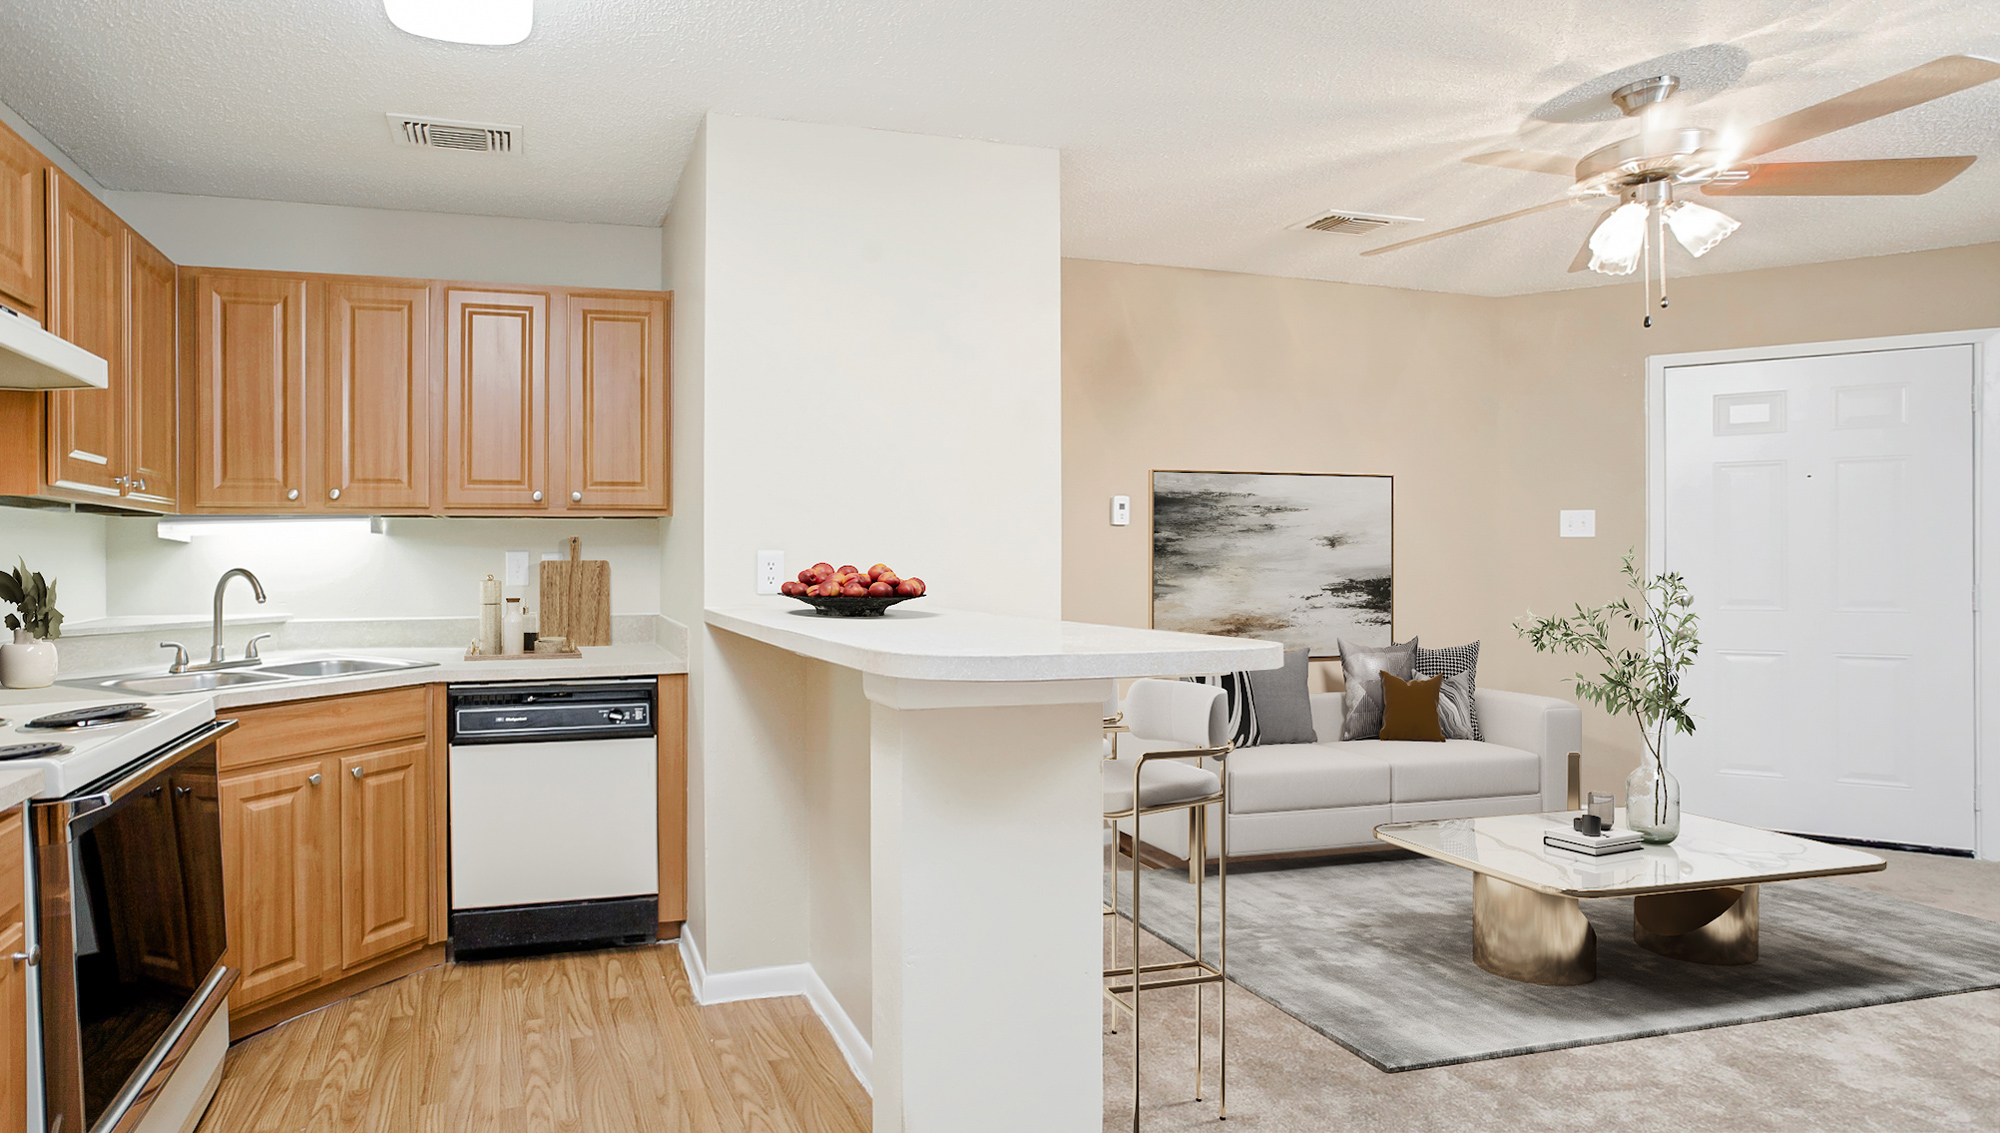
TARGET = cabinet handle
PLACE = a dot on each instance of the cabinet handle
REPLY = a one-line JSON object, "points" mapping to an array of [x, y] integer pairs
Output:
{"points": [[184, 791], [142, 483], [538, 497], [357, 773], [576, 497], [313, 778], [121, 481], [333, 495], [292, 495], [31, 957]]}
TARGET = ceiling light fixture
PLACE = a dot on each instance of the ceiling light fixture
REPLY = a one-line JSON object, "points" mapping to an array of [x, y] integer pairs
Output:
{"points": [[1697, 227], [181, 528], [487, 23], [1618, 240], [1627, 234]]}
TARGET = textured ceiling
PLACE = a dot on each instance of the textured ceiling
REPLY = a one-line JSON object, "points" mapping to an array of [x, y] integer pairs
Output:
{"points": [[1192, 133]]}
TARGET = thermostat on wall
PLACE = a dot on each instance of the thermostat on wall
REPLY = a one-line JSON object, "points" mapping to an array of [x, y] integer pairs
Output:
{"points": [[1121, 511]]}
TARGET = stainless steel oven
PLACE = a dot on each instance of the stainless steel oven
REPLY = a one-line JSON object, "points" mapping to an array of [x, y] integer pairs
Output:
{"points": [[129, 898]]}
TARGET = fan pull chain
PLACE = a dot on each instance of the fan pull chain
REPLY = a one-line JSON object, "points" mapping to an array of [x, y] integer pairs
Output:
{"points": [[1660, 236], [1646, 275]]}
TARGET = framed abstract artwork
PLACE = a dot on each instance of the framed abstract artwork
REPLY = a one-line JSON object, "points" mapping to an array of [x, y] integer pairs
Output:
{"points": [[1302, 558]]}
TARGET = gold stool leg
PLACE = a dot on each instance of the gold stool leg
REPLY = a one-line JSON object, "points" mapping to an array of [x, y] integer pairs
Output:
{"points": [[1532, 937], [1702, 926]]}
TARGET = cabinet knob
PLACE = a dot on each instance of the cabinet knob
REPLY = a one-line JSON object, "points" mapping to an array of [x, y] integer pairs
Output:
{"points": [[292, 495], [121, 481], [576, 497], [538, 497], [31, 957], [183, 791], [333, 495], [142, 483], [357, 773], [313, 778]]}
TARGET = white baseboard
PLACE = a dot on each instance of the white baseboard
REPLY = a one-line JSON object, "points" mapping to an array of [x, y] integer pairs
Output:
{"points": [[783, 979]]}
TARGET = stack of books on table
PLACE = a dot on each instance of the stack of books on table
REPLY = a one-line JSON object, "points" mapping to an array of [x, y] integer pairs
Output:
{"points": [[1596, 845]]}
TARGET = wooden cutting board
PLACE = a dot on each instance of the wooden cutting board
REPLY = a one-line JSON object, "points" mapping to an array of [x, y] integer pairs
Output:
{"points": [[576, 598]]}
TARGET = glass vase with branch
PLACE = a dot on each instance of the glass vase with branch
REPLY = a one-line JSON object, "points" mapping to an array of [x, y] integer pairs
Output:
{"points": [[1644, 683]]}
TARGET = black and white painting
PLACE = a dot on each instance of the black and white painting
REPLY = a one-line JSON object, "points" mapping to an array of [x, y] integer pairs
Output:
{"points": [[1299, 558]]}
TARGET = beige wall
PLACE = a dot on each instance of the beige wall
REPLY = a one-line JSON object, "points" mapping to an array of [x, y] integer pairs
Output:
{"points": [[1492, 414]]}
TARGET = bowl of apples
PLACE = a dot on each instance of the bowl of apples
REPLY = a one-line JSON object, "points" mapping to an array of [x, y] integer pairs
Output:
{"points": [[847, 592]]}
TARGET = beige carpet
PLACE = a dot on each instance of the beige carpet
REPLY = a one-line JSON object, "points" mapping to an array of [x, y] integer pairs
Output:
{"points": [[1929, 1064]]}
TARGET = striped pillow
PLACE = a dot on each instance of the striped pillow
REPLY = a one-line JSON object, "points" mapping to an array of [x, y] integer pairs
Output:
{"points": [[1450, 662]]}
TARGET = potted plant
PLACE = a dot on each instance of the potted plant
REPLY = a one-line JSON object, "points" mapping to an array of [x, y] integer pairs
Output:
{"points": [[29, 661], [1643, 682]]}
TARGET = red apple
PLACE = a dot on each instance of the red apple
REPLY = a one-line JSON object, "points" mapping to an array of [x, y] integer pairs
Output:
{"points": [[880, 590], [849, 570], [789, 588], [905, 589], [889, 576], [919, 584], [855, 590], [878, 570]]}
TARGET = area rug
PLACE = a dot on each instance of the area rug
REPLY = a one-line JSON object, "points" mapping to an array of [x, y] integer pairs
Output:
{"points": [[1377, 956]]}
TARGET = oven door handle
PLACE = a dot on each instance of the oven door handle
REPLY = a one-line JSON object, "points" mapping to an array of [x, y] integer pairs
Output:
{"points": [[77, 806]]}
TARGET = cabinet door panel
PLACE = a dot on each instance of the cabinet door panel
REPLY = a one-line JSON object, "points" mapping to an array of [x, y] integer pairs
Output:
{"points": [[248, 392], [274, 875], [86, 441], [496, 399], [152, 420], [384, 855], [23, 225], [618, 398], [377, 404], [13, 1028]]}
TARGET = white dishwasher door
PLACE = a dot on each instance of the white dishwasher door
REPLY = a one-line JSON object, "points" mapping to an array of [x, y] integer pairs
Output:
{"points": [[564, 821]]}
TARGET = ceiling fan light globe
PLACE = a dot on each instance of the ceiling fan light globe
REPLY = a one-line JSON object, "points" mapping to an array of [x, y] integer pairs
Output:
{"points": [[1618, 240], [1698, 227]]}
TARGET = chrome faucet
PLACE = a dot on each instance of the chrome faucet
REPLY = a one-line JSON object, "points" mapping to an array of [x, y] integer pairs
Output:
{"points": [[217, 658]]}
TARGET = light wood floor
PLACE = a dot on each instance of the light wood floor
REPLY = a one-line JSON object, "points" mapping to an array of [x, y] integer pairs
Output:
{"points": [[608, 1042]]}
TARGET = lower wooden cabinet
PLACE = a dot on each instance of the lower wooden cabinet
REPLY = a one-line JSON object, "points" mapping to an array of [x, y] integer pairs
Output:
{"points": [[326, 840], [13, 975]]}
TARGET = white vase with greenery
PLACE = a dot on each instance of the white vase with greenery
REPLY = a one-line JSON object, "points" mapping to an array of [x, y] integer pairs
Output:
{"points": [[29, 661], [1645, 682]]}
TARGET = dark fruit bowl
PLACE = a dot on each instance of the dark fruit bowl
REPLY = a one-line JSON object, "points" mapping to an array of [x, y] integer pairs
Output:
{"points": [[845, 607]]}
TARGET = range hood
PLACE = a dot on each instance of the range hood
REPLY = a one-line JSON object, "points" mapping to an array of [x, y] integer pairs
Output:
{"points": [[32, 358]]}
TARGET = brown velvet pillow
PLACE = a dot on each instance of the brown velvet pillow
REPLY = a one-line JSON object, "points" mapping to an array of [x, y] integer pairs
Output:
{"points": [[1410, 709]]}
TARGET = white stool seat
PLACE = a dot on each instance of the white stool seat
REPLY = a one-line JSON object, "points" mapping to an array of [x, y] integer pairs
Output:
{"points": [[1162, 783]]}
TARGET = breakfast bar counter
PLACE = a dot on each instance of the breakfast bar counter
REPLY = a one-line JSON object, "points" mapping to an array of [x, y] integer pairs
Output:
{"points": [[985, 860]]}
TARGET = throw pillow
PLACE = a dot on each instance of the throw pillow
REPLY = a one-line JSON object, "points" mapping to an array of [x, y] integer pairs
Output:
{"points": [[1455, 706], [1449, 662], [1269, 706], [1410, 709], [1362, 668]]}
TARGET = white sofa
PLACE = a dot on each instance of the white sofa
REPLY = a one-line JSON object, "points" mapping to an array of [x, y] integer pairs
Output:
{"points": [[1330, 795]]}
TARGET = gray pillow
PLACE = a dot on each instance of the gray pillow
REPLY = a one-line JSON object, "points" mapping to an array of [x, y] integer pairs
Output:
{"points": [[1455, 718], [1362, 669], [1269, 706]]}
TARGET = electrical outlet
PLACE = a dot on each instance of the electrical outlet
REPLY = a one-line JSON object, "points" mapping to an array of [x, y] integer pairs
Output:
{"points": [[1121, 511], [517, 568], [770, 571], [1578, 524]]}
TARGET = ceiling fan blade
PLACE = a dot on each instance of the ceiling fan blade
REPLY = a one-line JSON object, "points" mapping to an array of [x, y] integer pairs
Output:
{"points": [[1466, 227], [1888, 177], [1529, 160], [1914, 87]]}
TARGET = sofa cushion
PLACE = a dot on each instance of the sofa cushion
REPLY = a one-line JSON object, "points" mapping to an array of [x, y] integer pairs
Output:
{"points": [[1454, 769], [1275, 777]]}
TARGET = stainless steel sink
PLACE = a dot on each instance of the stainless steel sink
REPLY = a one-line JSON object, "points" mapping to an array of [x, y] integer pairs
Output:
{"points": [[182, 682], [340, 666]]}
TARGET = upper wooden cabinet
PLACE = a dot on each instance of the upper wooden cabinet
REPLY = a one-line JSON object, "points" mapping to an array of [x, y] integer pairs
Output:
{"points": [[152, 400], [618, 402], [86, 430], [23, 230], [375, 396], [244, 392], [496, 390]]}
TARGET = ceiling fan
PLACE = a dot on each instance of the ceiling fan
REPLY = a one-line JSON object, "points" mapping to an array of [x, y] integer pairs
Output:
{"points": [[1647, 173]]}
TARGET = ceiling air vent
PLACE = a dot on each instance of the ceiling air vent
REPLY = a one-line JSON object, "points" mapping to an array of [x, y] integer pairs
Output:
{"points": [[443, 133], [1350, 223]]}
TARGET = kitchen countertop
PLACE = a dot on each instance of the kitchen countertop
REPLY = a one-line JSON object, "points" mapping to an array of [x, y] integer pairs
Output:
{"points": [[18, 784], [449, 665], [941, 644]]}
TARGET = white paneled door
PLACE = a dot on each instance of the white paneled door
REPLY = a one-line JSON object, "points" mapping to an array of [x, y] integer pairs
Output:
{"points": [[1822, 511]]}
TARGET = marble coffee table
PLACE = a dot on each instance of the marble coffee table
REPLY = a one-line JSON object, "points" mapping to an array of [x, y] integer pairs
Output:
{"points": [[1693, 899]]}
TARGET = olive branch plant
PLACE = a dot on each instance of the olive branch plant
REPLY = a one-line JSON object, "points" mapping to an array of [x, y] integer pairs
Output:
{"points": [[34, 602], [1646, 683]]}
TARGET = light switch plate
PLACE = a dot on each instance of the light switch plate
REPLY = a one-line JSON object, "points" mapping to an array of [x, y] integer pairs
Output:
{"points": [[1579, 524], [770, 571], [517, 568], [1121, 511]]}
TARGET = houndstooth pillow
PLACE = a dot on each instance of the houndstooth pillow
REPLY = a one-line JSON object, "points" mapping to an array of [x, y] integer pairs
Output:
{"points": [[1450, 662]]}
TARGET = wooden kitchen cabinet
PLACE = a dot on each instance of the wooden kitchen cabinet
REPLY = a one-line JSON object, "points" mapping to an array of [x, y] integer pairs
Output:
{"points": [[243, 390], [618, 402], [384, 852], [23, 225], [275, 875], [86, 427], [152, 396], [13, 975], [375, 408], [496, 390]]}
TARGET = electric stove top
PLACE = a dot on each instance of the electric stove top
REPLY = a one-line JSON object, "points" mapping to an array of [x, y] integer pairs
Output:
{"points": [[89, 752]]}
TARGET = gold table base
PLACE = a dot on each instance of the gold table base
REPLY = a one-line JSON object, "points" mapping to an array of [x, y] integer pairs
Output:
{"points": [[1541, 938]]}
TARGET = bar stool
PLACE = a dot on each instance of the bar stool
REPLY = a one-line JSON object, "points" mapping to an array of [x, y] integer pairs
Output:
{"points": [[1194, 720]]}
